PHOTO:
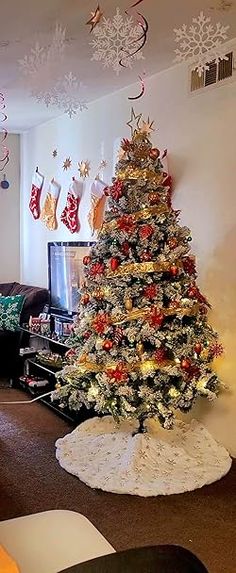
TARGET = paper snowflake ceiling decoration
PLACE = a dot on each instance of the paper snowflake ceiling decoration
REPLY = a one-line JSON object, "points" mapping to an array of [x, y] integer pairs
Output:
{"points": [[114, 40], [46, 83], [201, 43]]}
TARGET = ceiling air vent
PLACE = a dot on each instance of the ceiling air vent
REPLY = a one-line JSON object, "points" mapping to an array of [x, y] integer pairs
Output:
{"points": [[217, 72]]}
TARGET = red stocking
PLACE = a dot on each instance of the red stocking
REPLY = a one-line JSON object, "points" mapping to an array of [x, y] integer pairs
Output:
{"points": [[36, 188], [69, 214]]}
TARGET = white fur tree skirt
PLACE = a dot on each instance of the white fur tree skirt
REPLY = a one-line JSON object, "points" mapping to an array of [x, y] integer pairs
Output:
{"points": [[159, 462]]}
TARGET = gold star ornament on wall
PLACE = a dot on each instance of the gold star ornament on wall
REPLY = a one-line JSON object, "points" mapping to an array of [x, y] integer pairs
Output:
{"points": [[67, 163], [84, 168]]}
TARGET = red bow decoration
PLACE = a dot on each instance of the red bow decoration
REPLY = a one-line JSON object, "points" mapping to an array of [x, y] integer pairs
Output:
{"points": [[156, 317], [126, 224], [116, 190], [97, 269], [101, 322], [119, 374], [150, 291]]}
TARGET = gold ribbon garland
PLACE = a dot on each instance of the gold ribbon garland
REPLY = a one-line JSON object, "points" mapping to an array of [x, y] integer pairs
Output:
{"points": [[144, 214], [144, 174], [135, 314], [145, 366], [140, 268]]}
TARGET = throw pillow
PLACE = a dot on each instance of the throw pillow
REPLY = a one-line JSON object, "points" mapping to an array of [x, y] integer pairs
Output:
{"points": [[10, 310]]}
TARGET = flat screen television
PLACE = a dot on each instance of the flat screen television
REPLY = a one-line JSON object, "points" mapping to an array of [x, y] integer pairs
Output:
{"points": [[65, 275]]}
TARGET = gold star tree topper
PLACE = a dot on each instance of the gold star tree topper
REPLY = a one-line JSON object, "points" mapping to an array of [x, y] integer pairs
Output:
{"points": [[134, 122], [67, 163], [84, 168], [95, 18], [147, 127]]}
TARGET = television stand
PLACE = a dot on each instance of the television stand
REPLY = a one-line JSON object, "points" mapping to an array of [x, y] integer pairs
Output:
{"points": [[29, 366]]}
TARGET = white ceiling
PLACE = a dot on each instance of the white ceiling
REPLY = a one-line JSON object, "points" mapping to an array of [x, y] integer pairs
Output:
{"points": [[25, 21]]}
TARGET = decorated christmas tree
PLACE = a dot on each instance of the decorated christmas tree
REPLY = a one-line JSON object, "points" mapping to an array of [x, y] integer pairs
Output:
{"points": [[142, 346]]}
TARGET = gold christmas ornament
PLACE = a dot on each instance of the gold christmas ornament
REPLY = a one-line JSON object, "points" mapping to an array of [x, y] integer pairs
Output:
{"points": [[128, 304]]}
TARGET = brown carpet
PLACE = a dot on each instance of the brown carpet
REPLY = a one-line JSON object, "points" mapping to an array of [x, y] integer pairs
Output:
{"points": [[31, 480]]}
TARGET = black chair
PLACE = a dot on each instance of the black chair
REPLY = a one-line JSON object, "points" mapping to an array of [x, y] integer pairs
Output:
{"points": [[159, 559]]}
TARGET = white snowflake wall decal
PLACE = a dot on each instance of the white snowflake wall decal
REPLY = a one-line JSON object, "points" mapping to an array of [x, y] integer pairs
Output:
{"points": [[43, 57], [66, 94], [201, 43], [42, 70], [114, 39]]}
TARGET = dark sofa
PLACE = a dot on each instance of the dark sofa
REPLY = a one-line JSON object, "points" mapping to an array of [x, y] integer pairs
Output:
{"points": [[35, 300]]}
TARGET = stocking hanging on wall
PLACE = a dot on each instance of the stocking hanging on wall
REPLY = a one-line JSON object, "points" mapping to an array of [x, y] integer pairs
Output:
{"points": [[98, 202], [69, 214], [48, 215], [36, 188]]}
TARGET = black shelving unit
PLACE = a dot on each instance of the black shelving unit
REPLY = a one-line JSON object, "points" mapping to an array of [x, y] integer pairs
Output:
{"points": [[30, 365]]}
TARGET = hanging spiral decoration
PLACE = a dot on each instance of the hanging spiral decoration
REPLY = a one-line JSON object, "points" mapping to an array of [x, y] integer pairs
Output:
{"points": [[139, 43], [4, 152]]}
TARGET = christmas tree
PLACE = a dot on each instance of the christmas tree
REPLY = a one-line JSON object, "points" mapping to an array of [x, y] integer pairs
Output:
{"points": [[142, 347]]}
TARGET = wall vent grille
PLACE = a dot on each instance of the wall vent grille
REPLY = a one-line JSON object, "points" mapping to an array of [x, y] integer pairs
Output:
{"points": [[217, 72]]}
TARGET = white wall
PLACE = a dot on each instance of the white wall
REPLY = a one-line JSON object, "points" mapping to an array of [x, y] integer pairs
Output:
{"points": [[199, 132], [10, 215]]}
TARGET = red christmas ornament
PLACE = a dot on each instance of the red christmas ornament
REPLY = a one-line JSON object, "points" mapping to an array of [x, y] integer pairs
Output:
{"points": [[145, 256], [216, 349], [174, 271], [189, 266], [160, 355], [172, 243], [108, 344], [114, 263], [197, 348], [156, 317], [101, 322], [125, 248], [85, 298], [118, 374], [87, 260], [97, 269], [154, 153], [150, 291], [146, 231], [126, 224], [185, 364]]}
